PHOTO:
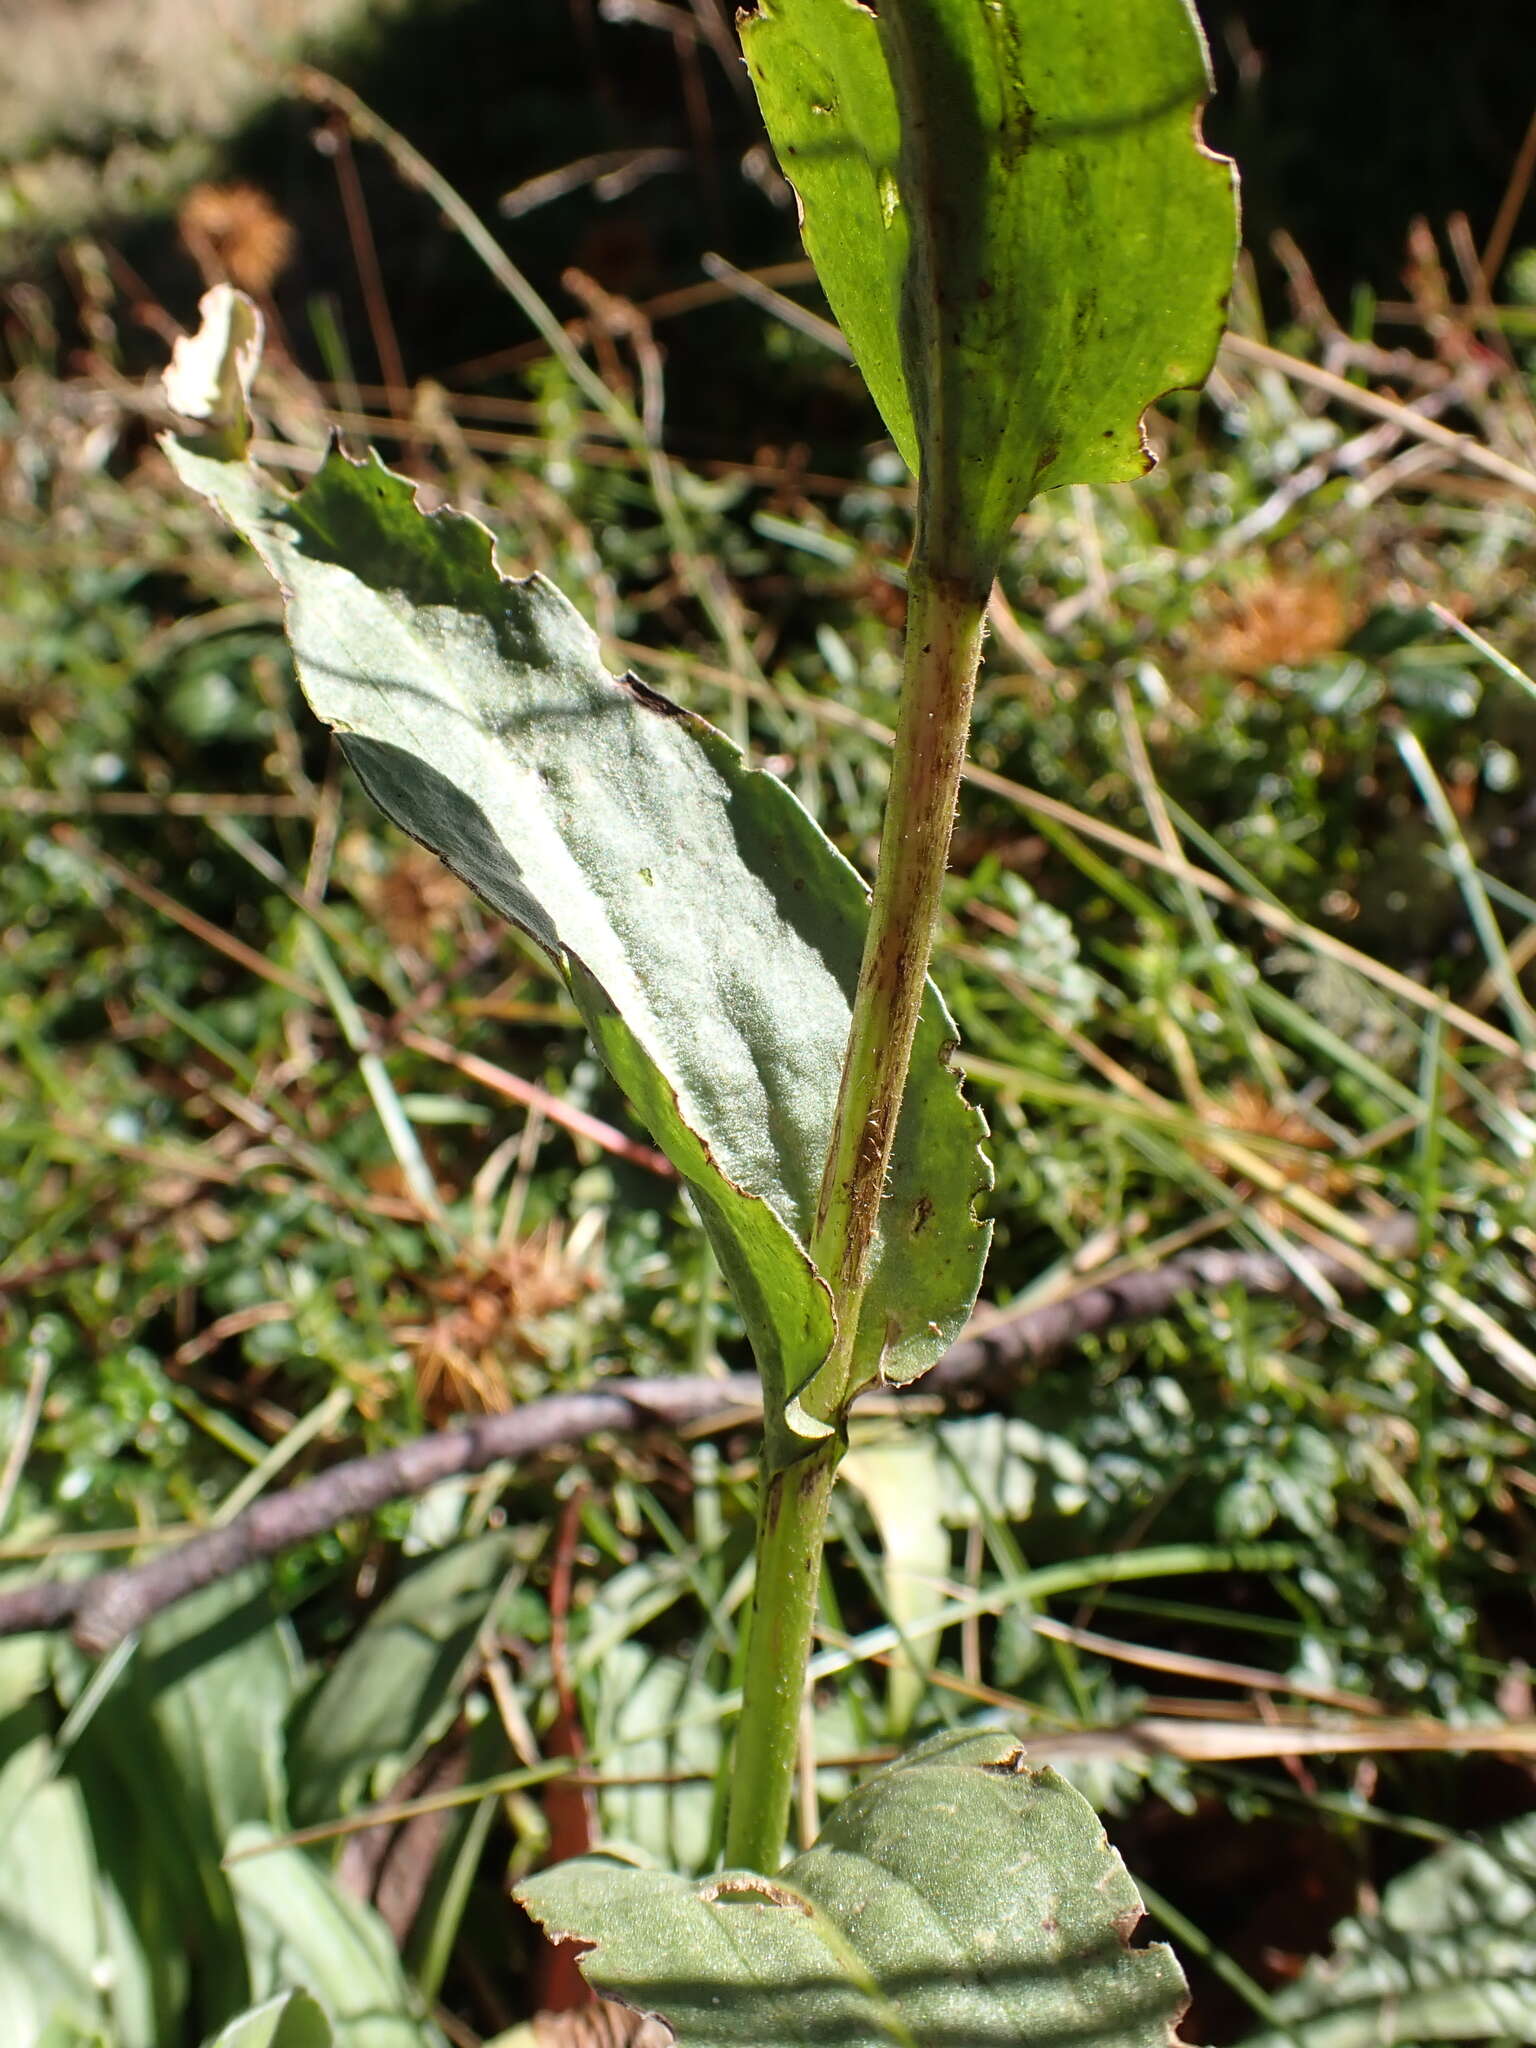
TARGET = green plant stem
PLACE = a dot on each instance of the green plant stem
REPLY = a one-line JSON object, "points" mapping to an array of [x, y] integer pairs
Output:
{"points": [[791, 1528], [943, 648]]}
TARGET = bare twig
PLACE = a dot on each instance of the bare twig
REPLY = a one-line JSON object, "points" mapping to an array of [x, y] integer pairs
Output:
{"points": [[1042, 1333], [106, 1608], [100, 1611]]}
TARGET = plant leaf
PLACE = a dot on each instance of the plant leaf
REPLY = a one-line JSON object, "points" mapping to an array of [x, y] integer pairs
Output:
{"points": [[218, 1674], [397, 1681], [189, 1748], [830, 110], [709, 932], [72, 1968], [1027, 257], [1450, 1956], [291, 2020], [51, 1941], [652, 1720], [898, 1472], [301, 1930], [956, 1898]]}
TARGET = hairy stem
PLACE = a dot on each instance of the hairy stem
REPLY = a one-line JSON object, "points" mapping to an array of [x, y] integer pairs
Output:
{"points": [[943, 647]]}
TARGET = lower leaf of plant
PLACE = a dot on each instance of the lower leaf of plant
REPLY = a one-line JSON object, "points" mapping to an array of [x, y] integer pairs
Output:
{"points": [[957, 1900]]}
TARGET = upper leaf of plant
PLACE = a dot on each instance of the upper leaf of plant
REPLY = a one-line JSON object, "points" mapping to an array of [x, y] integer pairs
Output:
{"points": [[710, 933], [1027, 255], [956, 1898]]}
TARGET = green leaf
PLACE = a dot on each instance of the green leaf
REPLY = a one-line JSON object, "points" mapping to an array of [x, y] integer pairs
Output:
{"points": [[1027, 255], [301, 1930], [26, 1723], [898, 1472], [956, 1899], [64, 2032], [830, 109], [51, 1938], [291, 2020], [218, 1674], [397, 1681], [995, 1468], [709, 932], [1450, 1956], [72, 1968], [186, 1748], [161, 1876], [652, 1721]]}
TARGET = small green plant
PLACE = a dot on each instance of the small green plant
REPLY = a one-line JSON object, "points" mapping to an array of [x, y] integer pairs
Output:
{"points": [[1026, 244], [217, 1742]]}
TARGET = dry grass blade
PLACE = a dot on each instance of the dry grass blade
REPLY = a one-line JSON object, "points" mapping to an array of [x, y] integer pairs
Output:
{"points": [[26, 1427], [1240, 1741], [1411, 421], [135, 803], [200, 927], [1507, 219], [767, 300], [500, 1079], [1215, 1670], [515, 1089]]}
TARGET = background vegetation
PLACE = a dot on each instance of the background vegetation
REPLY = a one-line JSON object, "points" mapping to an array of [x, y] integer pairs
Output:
{"points": [[285, 1155]]}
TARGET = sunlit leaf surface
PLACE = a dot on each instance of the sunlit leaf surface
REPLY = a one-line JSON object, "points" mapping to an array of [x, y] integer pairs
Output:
{"points": [[956, 1900]]}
